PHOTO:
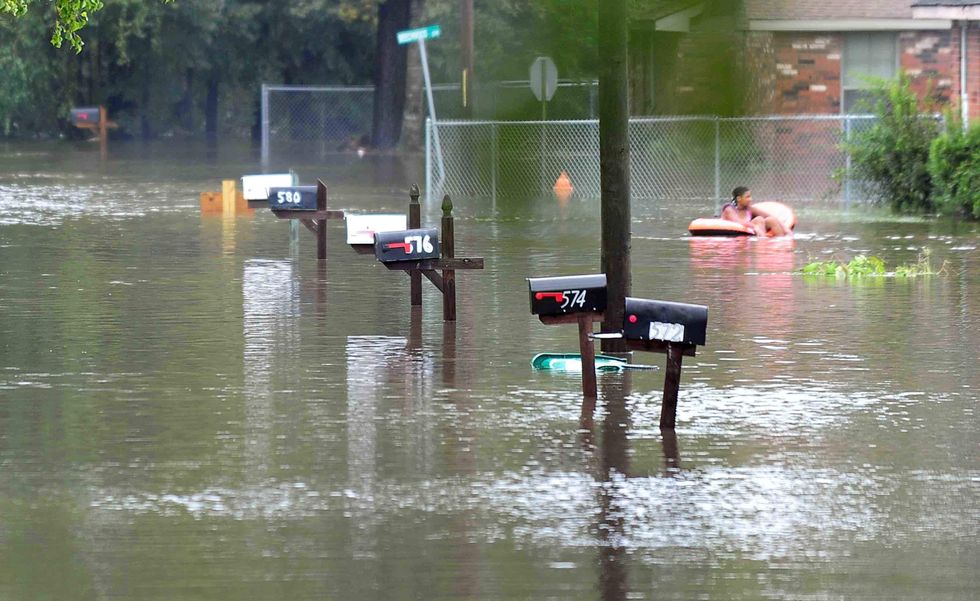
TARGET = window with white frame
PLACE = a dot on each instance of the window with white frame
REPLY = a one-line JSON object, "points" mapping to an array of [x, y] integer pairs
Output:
{"points": [[866, 54]]}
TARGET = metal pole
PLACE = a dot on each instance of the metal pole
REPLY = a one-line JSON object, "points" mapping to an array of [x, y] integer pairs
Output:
{"points": [[493, 166], [432, 114], [265, 126], [847, 163], [964, 95], [428, 161], [717, 159]]}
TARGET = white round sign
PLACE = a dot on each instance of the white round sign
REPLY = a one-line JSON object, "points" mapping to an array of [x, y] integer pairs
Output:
{"points": [[544, 78]]}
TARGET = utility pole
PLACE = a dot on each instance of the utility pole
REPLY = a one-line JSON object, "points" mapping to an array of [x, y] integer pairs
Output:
{"points": [[614, 164], [466, 52]]}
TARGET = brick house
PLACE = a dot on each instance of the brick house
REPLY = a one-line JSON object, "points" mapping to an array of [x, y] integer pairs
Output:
{"points": [[801, 56]]}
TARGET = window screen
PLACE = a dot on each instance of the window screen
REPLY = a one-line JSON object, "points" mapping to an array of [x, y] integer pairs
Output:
{"points": [[866, 54]]}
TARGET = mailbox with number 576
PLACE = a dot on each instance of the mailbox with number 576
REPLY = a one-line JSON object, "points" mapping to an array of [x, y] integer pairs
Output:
{"points": [[662, 320], [292, 198], [568, 294], [406, 245]]}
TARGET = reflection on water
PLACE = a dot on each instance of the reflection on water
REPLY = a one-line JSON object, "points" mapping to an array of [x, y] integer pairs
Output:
{"points": [[190, 408]]}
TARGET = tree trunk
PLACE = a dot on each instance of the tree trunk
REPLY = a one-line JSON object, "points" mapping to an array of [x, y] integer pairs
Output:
{"points": [[614, 163], [389, 76], [413, 122], [211, 110]]}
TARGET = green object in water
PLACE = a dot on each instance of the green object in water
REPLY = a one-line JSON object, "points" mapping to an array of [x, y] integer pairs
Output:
{"points": [[573, 362]]}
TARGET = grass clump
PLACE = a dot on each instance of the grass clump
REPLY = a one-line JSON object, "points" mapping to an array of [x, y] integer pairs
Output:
{"points": [[864, 266]]}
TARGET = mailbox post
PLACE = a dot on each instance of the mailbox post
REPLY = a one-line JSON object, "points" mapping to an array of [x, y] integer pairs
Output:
{"points": [[94, 119], [577, 299], [308, 204], [675, 329]]}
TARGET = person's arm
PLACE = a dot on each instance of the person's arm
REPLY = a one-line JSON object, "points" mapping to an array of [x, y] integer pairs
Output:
{"points": [[757, 212], [729, 213]]}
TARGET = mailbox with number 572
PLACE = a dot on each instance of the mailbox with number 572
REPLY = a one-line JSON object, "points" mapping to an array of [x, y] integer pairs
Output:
{"points": [[568, 294], [662, 320], [406, 245], [292, 198]]}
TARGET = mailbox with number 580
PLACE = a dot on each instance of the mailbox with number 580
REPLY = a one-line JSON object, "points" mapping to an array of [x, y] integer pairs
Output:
{"points": [[568, 294], [292, 198], [406, 245], [662, 320]]}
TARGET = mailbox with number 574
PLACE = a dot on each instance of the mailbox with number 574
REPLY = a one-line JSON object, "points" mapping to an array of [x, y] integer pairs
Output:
{"points": [[406, 245], [662, 320], [292, 198], [568, 294]]}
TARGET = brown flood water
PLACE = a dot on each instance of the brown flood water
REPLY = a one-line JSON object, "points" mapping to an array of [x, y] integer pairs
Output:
{"points": [[192, 409]]}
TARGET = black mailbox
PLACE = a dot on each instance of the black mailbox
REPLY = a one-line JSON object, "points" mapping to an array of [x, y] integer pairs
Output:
{"points": [[568, 294], [406, 245], [85, 116], [661, 320], [292, 198]]}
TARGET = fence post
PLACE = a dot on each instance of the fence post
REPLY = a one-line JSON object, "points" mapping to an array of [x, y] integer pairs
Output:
{"points": [[717, 158], [493, 165], [428, 162], [265, 126]]}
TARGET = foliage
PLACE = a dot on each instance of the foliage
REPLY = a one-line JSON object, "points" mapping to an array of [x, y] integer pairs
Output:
{"points": [[954, 165], [864, 266], [158, 65], [70, 17], [892, 154]]}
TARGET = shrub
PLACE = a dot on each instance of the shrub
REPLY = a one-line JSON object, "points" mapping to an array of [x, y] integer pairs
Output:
{"points": [[954, 166], [892, 155]]}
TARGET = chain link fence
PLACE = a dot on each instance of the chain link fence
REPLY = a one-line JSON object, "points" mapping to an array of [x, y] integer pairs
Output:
{"points": [[794, 158], [305, 121]]}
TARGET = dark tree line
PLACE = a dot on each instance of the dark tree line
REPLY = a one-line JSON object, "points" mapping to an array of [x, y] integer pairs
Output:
{"points": [[196, 67]]}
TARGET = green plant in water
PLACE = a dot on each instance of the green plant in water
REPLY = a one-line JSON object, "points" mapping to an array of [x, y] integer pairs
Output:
{"points": [[864, 266]]}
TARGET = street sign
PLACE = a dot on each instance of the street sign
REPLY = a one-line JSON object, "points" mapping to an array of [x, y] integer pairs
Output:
{"points": [[544, 78], [423, 33]]}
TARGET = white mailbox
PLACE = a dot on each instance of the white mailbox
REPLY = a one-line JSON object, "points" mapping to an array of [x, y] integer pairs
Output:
{"points": [[256, 187], [361, 228]]}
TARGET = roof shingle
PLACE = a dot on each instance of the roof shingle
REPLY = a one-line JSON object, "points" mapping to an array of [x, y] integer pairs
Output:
{"points": [[828, 9]]}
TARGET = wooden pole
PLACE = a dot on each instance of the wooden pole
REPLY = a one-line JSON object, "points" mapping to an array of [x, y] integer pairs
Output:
{"points": [[614, 163], [103, 132], [321, 224], [672, 382], [228, 196], [415, 222], [448, 243], [586, 347]]}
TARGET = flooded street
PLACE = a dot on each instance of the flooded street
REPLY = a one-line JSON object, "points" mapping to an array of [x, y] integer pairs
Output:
{"points": [[190, 409]]}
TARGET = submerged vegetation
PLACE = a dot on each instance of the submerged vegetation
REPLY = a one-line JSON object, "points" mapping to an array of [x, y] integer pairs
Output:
{"points": [[864, 266]]}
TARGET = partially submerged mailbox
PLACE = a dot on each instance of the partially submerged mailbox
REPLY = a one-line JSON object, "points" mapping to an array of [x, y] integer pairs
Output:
{"points": [[256, 187], [406, 245], [568, 294], [293, 198], [362, 228], [80, 117], [645, 319]]}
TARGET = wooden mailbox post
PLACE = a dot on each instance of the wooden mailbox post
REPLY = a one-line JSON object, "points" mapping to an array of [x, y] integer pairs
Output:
{"points": [[97, 120]]}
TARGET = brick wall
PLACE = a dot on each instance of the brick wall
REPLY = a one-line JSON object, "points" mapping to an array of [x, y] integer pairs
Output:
{"points": [[807, 68], [931, 61], [800, 73]]}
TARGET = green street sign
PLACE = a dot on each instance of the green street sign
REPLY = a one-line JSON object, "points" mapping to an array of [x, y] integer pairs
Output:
{"points": [[423, 33]]}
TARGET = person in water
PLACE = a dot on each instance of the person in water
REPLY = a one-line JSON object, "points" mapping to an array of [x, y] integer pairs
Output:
{"points": [[740, 210]]}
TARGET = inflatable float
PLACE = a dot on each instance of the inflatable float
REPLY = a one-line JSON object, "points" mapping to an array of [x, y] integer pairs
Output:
{"points": [[716, 226]]}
